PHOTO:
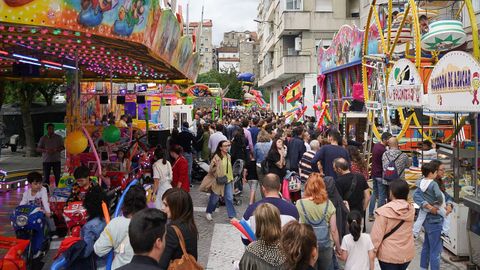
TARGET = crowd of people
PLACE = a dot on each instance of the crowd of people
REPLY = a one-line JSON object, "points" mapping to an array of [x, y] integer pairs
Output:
{"points": [[320, 226]]}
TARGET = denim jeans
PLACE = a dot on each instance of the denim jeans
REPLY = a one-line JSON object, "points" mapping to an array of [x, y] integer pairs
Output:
{"points": [[324, 261], [228, 195], [392, 266], [373, 198], [432, 246], [382, 192], [189, 158], [422, 215]]}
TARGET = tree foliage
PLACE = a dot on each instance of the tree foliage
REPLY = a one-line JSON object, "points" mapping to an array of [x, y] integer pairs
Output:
{"points": [[227, 78]]}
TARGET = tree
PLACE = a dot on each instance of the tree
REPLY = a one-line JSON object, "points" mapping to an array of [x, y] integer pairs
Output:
{"points": [[224, 78], [3, 94], [25, 93], [27, 96], [48, 90]]}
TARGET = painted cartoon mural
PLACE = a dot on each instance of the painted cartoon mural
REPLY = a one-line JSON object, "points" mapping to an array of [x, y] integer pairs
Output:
{"points": [[346, 47], [139, 21]]}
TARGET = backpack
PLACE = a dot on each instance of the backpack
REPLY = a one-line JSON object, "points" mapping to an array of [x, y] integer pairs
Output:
{"points": [[391, 172], [321, 228], [187, 261]]}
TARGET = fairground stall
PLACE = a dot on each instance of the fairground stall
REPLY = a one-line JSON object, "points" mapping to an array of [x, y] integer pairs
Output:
{"points": [[96, 48], [453, 87], [340, 83], [422, 34], [417, 41]]}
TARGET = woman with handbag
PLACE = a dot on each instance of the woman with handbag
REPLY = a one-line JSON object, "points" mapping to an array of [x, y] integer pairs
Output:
{"points": [[391, 233], [221, 171], [181, 229]]}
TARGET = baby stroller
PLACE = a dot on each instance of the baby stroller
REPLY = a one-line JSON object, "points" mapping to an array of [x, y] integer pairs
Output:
{"points": [[199, 170], [237, 171]]}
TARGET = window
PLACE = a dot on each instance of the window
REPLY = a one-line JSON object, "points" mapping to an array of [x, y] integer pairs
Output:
{"points": [[323, 5], [294, 5]]}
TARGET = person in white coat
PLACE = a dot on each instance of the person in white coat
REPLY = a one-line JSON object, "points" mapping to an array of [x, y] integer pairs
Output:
{"points": [[162, 176], [115, 234]]}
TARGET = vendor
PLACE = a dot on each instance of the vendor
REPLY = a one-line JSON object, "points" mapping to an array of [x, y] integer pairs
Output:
{"points": [[429, 150]]}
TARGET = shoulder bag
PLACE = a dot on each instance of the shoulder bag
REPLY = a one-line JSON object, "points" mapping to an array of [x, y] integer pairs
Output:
{"points": [[187, 261]]}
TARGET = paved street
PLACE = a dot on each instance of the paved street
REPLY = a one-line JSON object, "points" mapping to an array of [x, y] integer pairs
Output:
{"points": [[219, 243]]}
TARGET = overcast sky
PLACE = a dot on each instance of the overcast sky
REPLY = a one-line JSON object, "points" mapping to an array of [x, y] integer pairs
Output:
{"points": [[227, 15]]}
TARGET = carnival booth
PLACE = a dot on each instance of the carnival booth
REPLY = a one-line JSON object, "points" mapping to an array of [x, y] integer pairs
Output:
{"points": [[453, 87], [393, 88], [339, 80]]}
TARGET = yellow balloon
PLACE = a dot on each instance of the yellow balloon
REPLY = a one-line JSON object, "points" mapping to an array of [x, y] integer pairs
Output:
{"points": [[76, 142]]}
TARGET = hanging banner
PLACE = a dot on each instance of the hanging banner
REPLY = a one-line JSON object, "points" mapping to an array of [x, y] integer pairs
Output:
{"points": [[454, 84], [405, 88]]}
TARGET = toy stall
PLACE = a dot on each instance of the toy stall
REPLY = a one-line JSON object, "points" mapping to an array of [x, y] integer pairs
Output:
{"points": [[340, 95]]}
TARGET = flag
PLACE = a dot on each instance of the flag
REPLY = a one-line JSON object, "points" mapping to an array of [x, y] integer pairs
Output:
{"points": [[291, 93]]}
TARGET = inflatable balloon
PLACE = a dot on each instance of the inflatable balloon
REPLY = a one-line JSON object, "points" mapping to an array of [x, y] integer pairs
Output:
{"points": [[189, 100], [248, 229], [111, 134], [76, 142], [239, 227]]}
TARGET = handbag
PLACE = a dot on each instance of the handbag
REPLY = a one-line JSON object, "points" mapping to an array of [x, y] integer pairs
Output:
{"points": [[187, 261], [222, 180]]}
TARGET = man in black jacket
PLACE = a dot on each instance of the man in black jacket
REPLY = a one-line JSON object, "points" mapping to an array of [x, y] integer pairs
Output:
{"points": [[295, 149], [147, 238]]}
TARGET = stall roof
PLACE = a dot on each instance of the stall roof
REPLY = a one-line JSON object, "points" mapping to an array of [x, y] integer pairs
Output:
{"points": [[120, 41]]}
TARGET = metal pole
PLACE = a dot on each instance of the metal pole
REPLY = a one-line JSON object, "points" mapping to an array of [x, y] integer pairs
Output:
{"points": [[111, 90], [475, 173]]}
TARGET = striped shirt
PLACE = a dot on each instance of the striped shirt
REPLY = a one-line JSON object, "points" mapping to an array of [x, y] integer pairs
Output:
{"points": [[306, 165]]}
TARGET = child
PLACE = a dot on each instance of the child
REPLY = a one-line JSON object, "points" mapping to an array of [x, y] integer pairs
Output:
{"points": [[82, 184], [252, 178], [93, 228], [357, 247], [431, 193], [37, 195]]}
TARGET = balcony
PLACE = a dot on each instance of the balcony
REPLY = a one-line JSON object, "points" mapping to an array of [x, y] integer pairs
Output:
{"points": [[290, 66], [292, 21]]}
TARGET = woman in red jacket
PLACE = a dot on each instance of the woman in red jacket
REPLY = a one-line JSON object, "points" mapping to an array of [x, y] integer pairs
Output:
{"points": [[179, 169]]}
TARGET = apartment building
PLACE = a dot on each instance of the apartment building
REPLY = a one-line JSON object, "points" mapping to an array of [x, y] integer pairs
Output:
{"points": [[289, 32], [239, 51], [228, 59], [204, 44]]}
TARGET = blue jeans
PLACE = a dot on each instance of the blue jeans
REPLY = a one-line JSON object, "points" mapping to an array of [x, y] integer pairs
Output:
{"points": [[189, 158], [213, 200], [432, 246], [392, 266], [382, 192], [373, 198]]}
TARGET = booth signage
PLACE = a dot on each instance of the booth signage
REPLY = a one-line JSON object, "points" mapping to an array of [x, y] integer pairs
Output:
{"points": [[454, 84], [405, 88], [206, 102]]}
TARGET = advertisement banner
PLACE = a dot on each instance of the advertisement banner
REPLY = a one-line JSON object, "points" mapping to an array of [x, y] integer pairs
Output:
{"points": [[405, 88], [454, 84]]}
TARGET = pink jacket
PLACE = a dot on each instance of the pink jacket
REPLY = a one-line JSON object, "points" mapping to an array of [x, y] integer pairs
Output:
{"points": [[399, 247]]}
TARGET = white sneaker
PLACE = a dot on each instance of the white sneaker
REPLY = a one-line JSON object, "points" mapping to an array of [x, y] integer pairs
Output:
{"points": [[209, 217]]}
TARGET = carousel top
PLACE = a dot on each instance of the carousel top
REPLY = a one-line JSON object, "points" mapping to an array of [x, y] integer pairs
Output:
{"points": [[125, 39]]}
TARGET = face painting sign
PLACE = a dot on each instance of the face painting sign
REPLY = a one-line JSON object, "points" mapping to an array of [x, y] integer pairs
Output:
{"points": [[405, 88], [454, 84]]}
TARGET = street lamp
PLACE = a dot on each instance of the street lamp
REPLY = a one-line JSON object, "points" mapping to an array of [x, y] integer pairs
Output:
{"points": [[259, 21]]}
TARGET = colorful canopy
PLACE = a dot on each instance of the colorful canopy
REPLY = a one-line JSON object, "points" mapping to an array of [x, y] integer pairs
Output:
{"points": [[125, 39]]}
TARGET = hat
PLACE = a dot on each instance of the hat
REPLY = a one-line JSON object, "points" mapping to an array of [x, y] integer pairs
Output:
{"points": [[185, 124]]}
